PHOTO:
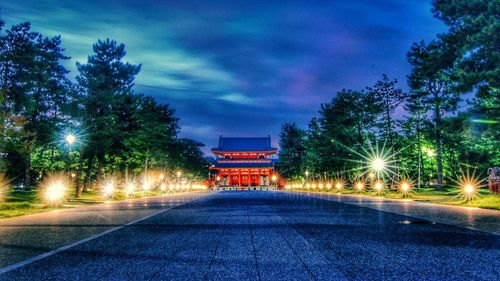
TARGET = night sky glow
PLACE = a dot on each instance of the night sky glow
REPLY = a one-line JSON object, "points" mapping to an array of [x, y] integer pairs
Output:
{"points": [[240, 68]]}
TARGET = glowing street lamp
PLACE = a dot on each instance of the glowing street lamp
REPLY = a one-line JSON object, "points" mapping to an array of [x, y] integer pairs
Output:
{"points": [[378, 186], [55, 192], [178, 174], [469, 191], [405, 188], [108, 188], [339, 185], [146, 184], [274, 178], [378, 164], [70, 139], [360, 186], [130, 188]]}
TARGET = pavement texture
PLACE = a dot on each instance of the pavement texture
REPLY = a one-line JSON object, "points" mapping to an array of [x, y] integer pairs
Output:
{"points": [[27, 236], [259, 235], [468, 217]]}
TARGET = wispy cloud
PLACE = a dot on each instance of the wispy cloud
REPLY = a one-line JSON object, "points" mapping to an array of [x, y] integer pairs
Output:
{"points": [[240, 67]]}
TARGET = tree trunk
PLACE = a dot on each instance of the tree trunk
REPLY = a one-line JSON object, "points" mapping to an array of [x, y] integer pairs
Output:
{"points": [[419, 149], [100, 164], [439, 149], [88, 173], [27, 170], [78, 186]]}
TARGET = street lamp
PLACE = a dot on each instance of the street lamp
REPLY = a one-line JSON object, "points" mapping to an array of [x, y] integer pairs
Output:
{"points": [[274, 178], [70, 138], [378, 164]]}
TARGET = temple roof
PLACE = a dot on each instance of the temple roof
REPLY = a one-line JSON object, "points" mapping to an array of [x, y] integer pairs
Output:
{"points": [[243, 165], [244, 144]]}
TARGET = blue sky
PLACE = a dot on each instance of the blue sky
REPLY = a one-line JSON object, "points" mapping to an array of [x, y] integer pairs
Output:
{"points": [[241, 68]]}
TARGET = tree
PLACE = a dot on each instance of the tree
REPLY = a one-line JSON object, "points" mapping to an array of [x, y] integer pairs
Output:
{"points": [[345, 124], [387, 98], [292, 151], [33, 90], [187, 155], [104, 79], [431, 76], [414, 127], [474, 35], [150, 134], [473, 30]]}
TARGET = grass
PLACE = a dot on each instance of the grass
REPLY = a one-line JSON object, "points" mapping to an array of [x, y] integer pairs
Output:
{"points": [[447, 196], [24, 202]]}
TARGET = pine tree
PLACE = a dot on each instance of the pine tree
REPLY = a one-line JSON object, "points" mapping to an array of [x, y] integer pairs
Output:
{"points": [[292, 151], [103, 79]]}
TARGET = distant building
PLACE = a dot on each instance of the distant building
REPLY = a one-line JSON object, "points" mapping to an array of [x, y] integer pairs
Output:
{"points": [[243, 162]]}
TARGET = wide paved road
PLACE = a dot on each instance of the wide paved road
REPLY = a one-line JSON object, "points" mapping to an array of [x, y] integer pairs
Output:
{"points": [[274, 236]]}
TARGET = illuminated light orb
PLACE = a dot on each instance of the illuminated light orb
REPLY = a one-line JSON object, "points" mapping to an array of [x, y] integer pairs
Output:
{"points": [[308, 185], [70, 138], [378, 164], [339, 185], [469, 190], [371, 175], [55, 191], [161, 176], [313, 185], [360, 186], [179, 174], [274, 178], [329, 185], [163, 187], [378, 186], [146, 184], [320, 186], [108, 188], [130, 188], [288, 186]]}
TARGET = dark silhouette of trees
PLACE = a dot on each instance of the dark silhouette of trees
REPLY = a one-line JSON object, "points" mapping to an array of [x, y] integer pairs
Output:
{"points": [[116, 129], [292, 149]]}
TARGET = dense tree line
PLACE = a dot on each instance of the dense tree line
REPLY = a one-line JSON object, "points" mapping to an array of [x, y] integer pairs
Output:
{"points": [[441, 133], [115, 129]]}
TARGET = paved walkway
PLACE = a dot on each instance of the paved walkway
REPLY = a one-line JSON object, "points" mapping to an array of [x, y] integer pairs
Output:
{"points": [[28, 236], [275, 236], [473, 218]]}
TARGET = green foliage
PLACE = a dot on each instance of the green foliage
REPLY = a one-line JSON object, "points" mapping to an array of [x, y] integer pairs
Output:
{"points": [[117, 130], [386, 99], [347, 121], [292, 150]]}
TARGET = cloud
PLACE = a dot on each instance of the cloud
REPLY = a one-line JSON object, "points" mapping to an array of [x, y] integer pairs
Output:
{"points": [[240, 67]]}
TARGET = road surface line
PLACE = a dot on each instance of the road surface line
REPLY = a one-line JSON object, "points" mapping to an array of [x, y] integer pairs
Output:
{"points": [[69, 246]]}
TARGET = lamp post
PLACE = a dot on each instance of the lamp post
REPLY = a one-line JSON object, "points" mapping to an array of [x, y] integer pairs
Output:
{"points": [[274, 178]]}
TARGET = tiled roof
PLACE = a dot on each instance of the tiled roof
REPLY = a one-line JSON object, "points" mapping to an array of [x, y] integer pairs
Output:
{"points": [[245, 144], [243, 165]]}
